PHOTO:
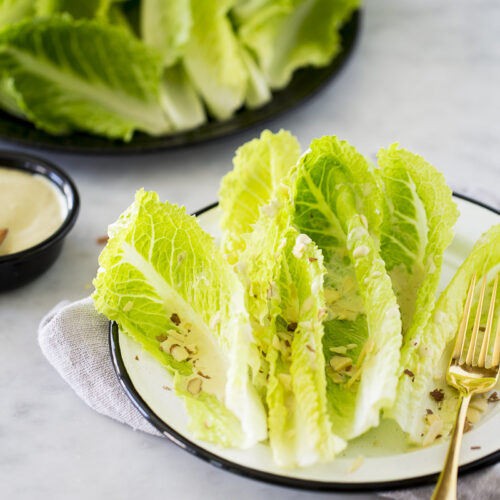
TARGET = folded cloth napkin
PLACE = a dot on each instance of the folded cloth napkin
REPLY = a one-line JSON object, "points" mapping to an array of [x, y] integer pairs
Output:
{"points": [[74, 339]]}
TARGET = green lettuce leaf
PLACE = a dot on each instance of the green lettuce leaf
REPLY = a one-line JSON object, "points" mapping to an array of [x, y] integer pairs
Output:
{"points": [[165, 283], [418, 226], [244, 10], [179, 99], [288, 35], [286, 304], [213, 60], [258, 92], [259, 168], [166, 25], [83, 75], [87, 9], [338, 203], [430, 357], [10, 99], [13, 11]]}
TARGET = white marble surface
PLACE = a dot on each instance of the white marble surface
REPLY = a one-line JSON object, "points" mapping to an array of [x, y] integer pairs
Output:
{"points": [[425, 74]]}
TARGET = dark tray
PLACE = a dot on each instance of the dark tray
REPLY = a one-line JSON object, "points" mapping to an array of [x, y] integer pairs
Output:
{"points": [[304, 84]]}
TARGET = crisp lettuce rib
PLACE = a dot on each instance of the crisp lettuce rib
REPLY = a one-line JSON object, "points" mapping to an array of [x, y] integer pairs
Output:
{"points": [[168, 287], [418, 226], [179, 99], [338, 203]]}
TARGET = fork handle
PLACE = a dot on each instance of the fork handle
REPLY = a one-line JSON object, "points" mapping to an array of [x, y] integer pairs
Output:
{"points": [[446, 488]]}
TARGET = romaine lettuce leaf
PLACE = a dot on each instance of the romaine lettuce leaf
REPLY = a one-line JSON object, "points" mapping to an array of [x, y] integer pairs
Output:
{"points": [[258, 92], [179, 99], [166, 25], [83, 75], [212, 58], [284, 275], [338, 203], [428, 361], [13, 11], [10, 99], [288, 35], [244, 10], [77, 9], [259, 168], [418, 226], [165, 283]]}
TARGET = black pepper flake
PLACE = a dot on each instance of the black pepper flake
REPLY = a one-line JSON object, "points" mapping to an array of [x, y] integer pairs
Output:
{"points": [[437, 395], [429, 411], [410, 374], [493, 398], [475, 447], [137, 358], [291, 327], [175, 319]]}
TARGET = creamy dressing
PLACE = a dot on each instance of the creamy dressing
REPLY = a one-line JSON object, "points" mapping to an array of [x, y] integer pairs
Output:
{"points": [[32, 209]]}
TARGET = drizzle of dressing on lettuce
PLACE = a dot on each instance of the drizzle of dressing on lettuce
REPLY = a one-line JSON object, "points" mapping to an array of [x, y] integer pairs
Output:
{"points": [[337, 202]]}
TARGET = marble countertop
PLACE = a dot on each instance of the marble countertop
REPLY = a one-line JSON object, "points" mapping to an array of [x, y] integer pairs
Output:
{"points": [[424, 73]]}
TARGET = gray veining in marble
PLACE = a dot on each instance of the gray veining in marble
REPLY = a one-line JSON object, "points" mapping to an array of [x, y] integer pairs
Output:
{"points": [[426, 73]]}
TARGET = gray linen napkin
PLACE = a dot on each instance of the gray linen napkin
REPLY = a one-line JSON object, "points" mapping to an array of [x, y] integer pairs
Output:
{"points": [[74, 339]]}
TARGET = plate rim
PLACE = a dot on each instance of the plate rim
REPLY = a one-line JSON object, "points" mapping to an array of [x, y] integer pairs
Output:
{"points": [[250, 473], [224, 128]]}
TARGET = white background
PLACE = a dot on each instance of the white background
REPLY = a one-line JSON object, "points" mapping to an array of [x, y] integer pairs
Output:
{"points": [[425, 73]]}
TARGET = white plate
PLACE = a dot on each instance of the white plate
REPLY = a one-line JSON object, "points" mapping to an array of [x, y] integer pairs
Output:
{"points": [[387, 462]]}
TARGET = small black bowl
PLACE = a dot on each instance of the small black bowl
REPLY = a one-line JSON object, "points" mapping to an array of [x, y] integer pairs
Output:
{"points": [[19, 268]]}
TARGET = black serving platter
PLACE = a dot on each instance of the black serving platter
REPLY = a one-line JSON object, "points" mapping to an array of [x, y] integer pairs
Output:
{"points": [[282, 480], [305, 83]]}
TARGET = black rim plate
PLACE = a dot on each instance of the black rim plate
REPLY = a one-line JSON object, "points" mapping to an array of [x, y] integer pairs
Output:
{"points": [[188, 445], [305, 83]]}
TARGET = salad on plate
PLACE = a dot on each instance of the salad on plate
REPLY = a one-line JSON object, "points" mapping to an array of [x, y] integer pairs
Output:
{"points": [[315, 316]]}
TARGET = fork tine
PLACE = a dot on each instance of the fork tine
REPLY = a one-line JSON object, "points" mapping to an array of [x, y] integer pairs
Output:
{"points": [[460, 341], [489, 324], [473, 340]]}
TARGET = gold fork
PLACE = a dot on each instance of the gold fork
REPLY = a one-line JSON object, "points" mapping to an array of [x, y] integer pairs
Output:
{"points": [[469, 376]]}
